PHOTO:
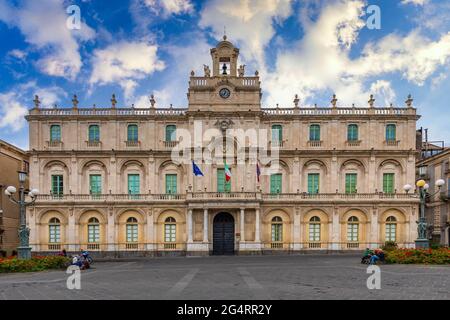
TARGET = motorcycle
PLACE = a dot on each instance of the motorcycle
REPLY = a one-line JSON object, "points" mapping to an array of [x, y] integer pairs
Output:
{"points": [[87, 256]]}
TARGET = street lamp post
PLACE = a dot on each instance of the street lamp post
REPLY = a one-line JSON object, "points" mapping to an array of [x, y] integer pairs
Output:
{"points": [[422, 239], [24, 249]]}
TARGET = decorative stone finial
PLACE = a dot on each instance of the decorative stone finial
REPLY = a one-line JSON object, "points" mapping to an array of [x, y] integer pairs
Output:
{"points": [[75, 101], [132, 106], [256, 73], [113, 101], [409, 101], [152, 100], [192, 73], [36, 102], [296, 100], [371, 101], [171, 106], [333, 101], [94, 106]]}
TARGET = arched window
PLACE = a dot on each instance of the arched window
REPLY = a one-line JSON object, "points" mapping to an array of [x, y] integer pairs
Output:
{"points": [[55, 133], [391, 134], [170, 230], [277, 229], [93, 230], [277, 133], [94, 133], [353, 229], [132, 230], [352, 132], [314, 229], [54, 230], [314, 132], [132, 133], [171, 133], [391, 228]]}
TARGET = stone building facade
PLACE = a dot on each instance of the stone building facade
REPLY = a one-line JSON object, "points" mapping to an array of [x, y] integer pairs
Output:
{"points": [[12, 159], [121, 179]]}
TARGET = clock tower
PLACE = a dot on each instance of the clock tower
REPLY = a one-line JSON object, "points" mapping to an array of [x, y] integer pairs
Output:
{"points": [[226, 88]]}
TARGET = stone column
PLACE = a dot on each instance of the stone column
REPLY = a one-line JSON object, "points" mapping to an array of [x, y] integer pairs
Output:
{"points": [[296, 232], [242, 216], [110, 239], [150, 231], [71, 232], [189, 226], [257, 227], [335, 231], [205, 225], [374, 229]]}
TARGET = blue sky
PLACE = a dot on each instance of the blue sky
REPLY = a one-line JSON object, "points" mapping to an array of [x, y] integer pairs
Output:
{"points": [[139, 47]]}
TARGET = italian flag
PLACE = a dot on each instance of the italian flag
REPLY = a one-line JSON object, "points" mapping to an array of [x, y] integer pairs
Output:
{"points": [[227, 173]]}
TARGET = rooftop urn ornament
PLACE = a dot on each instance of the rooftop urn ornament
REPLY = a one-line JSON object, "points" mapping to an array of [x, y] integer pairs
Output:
{"points": [[333, 101], [75, 101], [256, 73], [409, 101], [296, 100], [207, 71], [36, 102], [113, 101], [192, 73], [152, 101], [371, 101]]}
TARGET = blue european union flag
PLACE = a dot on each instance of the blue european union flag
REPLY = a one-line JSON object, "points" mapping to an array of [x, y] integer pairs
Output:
{"points": [[196, 170]]}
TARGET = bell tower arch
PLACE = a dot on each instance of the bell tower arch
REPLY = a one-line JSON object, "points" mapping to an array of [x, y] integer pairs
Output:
{"points": [[224, 58]]}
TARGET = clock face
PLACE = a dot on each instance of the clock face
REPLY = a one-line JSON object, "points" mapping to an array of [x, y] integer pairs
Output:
{"points": [[224, 93]]}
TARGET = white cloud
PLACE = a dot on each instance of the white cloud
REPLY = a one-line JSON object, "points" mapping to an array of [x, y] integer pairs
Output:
{"points": [[125, 63], [14, 104], [415, 2], [168, 7], [18, 54], [382, 90], [43, 24], [249, 22]]}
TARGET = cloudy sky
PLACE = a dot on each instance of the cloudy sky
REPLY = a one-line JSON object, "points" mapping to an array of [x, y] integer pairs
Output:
{"points": [[311, 48]]}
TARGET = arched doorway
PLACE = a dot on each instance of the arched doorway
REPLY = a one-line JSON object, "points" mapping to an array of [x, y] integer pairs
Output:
{"points": [[223, 234]]}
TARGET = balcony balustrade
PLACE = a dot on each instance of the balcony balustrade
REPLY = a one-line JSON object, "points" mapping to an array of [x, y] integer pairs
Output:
{"points": [[353, 143], [314, 143], [392, 143]]}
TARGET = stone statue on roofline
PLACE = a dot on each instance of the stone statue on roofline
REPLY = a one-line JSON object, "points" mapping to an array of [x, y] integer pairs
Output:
{"points": [[207, 71], [241, 70]]}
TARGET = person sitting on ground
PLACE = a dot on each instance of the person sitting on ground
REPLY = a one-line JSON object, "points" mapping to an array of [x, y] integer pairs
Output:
{"points": [[367, 254]]}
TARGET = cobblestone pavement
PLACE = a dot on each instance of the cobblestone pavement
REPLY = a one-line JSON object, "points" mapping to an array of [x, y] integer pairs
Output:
{"points": [[234, 277]]}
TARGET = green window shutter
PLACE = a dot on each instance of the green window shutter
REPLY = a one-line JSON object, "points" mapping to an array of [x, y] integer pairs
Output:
{"points": [[391, 132], [133, 184], [352, 132], [277, 132], [171, 183], [313, 183], [222, 184], [170, 233], [132, 232], [350, 182], [54, 233], [277, 232], [95, 184], [133, 132], [55, 132], [276, 183], [93, 233], [171, 133], [388, 183], [57, 185], [314, 132], [94, 133]]}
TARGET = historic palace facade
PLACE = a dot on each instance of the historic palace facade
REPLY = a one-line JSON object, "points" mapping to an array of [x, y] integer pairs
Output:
{"points": [[122, 179]]}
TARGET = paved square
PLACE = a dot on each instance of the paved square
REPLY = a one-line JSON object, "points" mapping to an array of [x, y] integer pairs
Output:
{"points": [[234, 277]]}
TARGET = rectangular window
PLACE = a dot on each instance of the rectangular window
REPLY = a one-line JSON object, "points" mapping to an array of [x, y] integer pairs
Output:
{"points": [[133, 184], [93, 233], [313, 183], [171, 133], [55, 133], [314, 232], [275, 183], [170, 234], [132, 233], [314, 132], [171, 183], [95, 184], [222, 184], [388, 183], [352, 232], [277, 133], [350, 182], [94, 133], [57, 185], [277, 229], [133, 133], [391, 232], [352, 132], [391, 134], [54, 233]]}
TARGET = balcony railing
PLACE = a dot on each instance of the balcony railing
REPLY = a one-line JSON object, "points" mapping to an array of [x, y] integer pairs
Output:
{"points": [[54, 144], [132, 143], [392, 143], [93, 144], [170, 144], [314, 143], [353, 143], [277, 143]]}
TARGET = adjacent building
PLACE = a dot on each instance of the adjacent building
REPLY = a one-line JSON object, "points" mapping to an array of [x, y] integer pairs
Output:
{"points": [[12, 159], [267, 179]]}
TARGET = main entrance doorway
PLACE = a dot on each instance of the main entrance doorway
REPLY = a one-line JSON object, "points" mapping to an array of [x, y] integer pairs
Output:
{"points": [[223, 234]]}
